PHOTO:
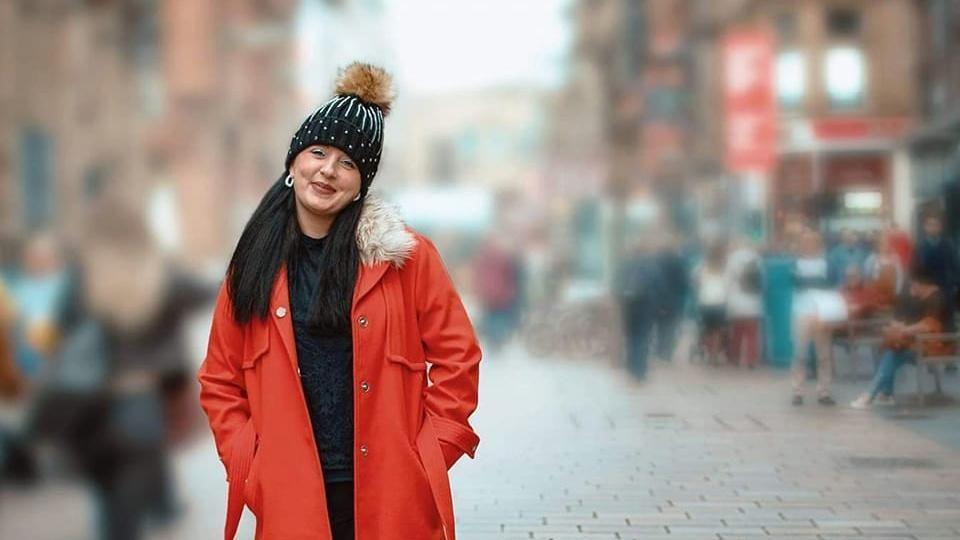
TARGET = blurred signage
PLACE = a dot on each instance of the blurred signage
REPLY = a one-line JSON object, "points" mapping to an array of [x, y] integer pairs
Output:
{"points": [[863, 202], [749, 101], [860, 128]]}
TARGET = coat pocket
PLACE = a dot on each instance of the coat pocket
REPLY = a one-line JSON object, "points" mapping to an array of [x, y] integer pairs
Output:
{"points": [[238, 470], [251, 486], [428, 446], [256, 346]]}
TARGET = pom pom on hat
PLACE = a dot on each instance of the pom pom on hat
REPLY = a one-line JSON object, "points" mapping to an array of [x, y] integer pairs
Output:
{"points": [[370, 83]]}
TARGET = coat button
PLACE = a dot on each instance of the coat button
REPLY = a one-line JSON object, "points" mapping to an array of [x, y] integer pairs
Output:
{"points": [[362, 321], [281, 312], [365, 386], [363, 449]]}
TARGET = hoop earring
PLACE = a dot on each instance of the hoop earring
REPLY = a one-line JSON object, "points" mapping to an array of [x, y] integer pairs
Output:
{"points": [[288, 181], [357, 198]]}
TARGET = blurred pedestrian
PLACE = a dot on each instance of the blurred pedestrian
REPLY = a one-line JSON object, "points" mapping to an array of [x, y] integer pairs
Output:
{"points": [[863, 298], [815, 307], [637, 287], [884, 271], [938, 258], [11, 381], [497, 278], [16, 462], [38, 289], [317, 368], [120, 371], [675, 285], [900, 243], [848, 252], [711, 283], [744, 276]]}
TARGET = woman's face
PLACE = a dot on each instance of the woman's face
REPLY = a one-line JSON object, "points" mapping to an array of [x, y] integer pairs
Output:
{"points": [[326, 179]]}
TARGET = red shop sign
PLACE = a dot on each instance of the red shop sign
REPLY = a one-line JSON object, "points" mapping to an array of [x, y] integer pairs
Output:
{"points": [[750, 135]]}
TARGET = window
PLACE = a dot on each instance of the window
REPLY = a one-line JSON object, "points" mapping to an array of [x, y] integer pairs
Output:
{"points": [[845, 76], [843, 23], [791, 79], [863, 202]]}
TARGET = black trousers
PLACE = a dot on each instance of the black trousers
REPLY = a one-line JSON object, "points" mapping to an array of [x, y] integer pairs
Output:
{"points": [[340, 509]]}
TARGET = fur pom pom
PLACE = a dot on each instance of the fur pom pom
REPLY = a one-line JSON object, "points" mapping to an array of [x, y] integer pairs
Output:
{"points": [[370, 83]]}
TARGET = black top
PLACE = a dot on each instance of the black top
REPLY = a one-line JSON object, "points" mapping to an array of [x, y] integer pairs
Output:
{"points": [[911, 309], [939, 258], [326, 369]]}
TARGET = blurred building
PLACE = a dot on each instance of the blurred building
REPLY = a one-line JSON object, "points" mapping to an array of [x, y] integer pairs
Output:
{"points": [[174, 105], [231, 86], [74, 111], [846, 95], [934, 145], [636, 127], [466, 162], [488, 138]]}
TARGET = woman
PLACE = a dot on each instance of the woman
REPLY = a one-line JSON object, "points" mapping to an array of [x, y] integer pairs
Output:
{"points": [[815, 308], [744, 304], [315, 380], [712, 300], [884, 271], [862, 299]]}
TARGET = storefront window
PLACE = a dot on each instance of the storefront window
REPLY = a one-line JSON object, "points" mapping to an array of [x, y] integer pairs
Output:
{"points": [[845, 76], [791, 79]]}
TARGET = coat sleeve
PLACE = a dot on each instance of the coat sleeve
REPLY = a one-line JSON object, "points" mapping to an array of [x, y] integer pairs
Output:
{"points": [[222, 392], [451, 347]]}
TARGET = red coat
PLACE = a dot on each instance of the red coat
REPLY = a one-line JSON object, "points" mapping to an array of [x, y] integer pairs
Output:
{"points": [[409, 326]]}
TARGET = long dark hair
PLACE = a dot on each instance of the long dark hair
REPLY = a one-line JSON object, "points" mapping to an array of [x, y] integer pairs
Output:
{"points": [[271, 238]]}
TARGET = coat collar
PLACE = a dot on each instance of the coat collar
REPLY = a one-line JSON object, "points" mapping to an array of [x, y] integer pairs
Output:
{"points": [[382, 236], [383, 240]]}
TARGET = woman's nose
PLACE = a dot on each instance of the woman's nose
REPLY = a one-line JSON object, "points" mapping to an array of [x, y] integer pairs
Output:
{"points": [[327, 169]]}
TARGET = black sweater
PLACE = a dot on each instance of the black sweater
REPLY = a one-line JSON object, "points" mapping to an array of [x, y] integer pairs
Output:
{"points": [[326, 369]]}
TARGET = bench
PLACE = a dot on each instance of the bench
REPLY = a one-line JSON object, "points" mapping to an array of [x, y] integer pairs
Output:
{"points": [[856, 333], [934, 361]]}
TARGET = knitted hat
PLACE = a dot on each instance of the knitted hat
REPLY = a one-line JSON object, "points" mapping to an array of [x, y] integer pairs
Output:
{"points": [[352, 120]]}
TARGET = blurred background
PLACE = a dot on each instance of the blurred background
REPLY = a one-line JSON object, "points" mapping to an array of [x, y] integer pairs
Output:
{"points": [[609, 181]]}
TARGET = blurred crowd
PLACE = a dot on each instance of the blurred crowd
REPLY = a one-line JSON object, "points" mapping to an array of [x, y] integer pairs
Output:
{"points": [[822, 291], [95, 382], [797, 301]]}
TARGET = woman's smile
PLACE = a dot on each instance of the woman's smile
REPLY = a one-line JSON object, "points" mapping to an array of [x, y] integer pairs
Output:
{"points": [[322, 188]]}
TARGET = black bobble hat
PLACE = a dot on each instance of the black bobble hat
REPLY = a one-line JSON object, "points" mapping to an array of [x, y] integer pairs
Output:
{"points": [[352, 120]]}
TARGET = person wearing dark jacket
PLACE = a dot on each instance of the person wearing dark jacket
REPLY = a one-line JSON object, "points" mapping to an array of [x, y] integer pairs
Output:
{"points": [[676, 284], [919, 310], [938, 257], [638, 286], [118, 396]]}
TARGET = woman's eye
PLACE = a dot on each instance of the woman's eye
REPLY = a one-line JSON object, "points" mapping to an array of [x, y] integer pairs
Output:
{"points": [[348, 164], [318, 152]]}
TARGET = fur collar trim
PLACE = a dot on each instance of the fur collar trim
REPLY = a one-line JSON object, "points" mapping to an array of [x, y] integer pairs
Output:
{"points": [[382, 235]]}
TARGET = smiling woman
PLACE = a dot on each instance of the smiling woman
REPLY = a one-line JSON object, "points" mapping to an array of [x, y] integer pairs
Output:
{"points": [[316, 380]]}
